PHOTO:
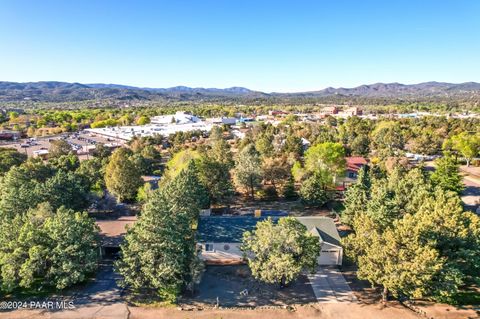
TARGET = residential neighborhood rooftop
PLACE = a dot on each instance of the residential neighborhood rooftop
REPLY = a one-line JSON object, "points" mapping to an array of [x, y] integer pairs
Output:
{"points": [[230, 229], [354, 163], [113, 231]]}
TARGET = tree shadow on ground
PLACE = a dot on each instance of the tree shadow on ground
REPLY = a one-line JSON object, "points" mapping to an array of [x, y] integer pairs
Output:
{"points": [[233, 286]]}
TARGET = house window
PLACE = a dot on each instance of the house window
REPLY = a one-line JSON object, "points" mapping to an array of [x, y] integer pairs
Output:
{"points": [[209, 247]]}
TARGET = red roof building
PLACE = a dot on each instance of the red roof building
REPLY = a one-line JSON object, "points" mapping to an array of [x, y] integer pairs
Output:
{"points": [[354, 164]]}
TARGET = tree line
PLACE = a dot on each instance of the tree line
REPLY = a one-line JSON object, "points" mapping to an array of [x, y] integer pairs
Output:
{"points": [[404, 221], [411, 235]]}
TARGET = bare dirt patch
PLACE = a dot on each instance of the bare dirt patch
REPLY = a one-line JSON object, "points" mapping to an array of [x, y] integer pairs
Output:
{"points": [[242, 206], [235, 287], [361, 288], [443, 311], [369, 296], [323, 311]]}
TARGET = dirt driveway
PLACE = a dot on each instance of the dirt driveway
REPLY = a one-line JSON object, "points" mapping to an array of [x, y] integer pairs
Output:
{"points": [[235, 287]]}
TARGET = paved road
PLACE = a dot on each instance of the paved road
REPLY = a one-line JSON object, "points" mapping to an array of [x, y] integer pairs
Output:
{"points": [[330, 286], [471, 180], [471, 193], [102, 290], [100, 298]]}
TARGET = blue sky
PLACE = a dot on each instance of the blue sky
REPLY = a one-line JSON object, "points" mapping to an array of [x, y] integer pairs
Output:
{"points": [[281, 46]]}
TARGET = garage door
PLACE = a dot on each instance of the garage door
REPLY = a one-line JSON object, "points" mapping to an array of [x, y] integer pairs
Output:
{"points": [[328, 257]]}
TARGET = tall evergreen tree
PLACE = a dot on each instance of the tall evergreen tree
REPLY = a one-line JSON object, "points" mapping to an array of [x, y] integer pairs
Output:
{"points": [[159, 250], [293, 145], [394, 259], [220, 149], [248, 169], [186, 190], [26, 186], [442, 222], [289, 189], [64, 189], [414, 242], [313, 191], [446, 175], [215, 177], [264, 144], [93, 172], [357, 196]]}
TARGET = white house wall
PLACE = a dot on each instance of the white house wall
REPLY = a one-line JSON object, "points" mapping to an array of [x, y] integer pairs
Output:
{"points": [[222, 252], [330, 254]]}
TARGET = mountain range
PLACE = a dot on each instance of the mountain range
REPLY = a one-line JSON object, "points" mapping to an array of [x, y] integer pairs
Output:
{"points": [[51, 91]]}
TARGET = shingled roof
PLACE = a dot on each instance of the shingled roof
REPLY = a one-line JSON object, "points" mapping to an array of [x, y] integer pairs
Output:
{"points": [[324, 226], [230, 229], [112, 232]]}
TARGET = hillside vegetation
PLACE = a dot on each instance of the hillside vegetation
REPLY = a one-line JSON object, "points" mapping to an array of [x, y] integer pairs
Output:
{"points": [[429, 95]]}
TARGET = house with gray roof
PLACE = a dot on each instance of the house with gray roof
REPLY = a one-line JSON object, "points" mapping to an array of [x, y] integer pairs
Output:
{"points": [[220, 237]]}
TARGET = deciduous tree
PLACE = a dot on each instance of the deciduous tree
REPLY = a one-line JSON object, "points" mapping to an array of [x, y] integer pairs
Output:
{"points": [[122, 176], [59, 148], [466, 144], [47, 248], [387, 139], [10, 157], [324, 158], [66, 163]]}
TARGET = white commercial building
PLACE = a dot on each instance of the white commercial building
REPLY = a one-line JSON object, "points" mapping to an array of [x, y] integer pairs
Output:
{"points": [[222, 120], [177, 118], [160, 125]]}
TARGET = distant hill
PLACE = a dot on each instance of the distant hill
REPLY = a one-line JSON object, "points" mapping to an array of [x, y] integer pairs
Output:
{"points": [[398, 90], [62, 91], [50, 91]]}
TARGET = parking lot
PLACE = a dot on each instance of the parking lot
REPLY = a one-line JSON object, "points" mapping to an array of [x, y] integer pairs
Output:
{"points": [[80, 142]]}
